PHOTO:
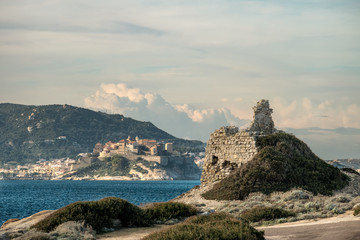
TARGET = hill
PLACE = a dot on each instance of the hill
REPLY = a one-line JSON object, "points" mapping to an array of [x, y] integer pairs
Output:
{"points": [[283, 162], [28, 133]]}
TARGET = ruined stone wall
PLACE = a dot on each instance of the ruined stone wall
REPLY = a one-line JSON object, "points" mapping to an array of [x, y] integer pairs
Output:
{"points": [[228, 148]]}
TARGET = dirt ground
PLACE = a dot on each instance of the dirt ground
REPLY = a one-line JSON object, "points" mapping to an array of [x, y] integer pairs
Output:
{"points": [[342, 227], [131, 233]]}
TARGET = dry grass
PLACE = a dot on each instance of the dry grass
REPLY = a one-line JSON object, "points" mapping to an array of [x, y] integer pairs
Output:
{"points": [[304, 203]]}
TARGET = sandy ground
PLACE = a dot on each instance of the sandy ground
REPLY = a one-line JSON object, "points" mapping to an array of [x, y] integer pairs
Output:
{"points": [[131, 233], [341, 227]]}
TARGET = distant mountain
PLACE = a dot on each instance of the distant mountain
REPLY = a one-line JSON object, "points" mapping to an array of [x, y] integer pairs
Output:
{"points": [[345, 163], [29, 133]]}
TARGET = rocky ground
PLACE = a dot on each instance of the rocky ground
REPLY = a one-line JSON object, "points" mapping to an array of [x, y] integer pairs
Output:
{"points": [[14, 227]]}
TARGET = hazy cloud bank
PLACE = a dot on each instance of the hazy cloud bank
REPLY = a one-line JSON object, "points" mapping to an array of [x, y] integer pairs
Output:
{"points": [[183, 121]]}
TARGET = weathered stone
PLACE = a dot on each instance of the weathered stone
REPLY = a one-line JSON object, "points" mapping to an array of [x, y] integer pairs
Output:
{"points": [[228, 148], [262, 118]]}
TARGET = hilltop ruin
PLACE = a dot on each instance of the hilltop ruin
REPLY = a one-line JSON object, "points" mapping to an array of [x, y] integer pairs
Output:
{"points": [[228, 148]]}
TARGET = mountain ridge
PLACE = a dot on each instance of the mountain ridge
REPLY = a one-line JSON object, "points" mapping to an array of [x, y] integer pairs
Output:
{"points": [[31, 132]]}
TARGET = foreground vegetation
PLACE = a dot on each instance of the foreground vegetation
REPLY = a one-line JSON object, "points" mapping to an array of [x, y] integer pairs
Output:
{"points": [[217, 226], [297, 204], [282, 163], [111, 213], [356, 210], [262, 213]]}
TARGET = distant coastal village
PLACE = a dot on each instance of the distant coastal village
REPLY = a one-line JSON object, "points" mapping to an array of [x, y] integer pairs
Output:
{"points": [[147, 149]]}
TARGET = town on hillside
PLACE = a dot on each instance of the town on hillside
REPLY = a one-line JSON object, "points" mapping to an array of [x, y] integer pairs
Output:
{"points": [[148, 149]]}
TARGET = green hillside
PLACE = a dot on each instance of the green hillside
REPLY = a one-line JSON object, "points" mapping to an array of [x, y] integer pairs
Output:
{"points": [[282, 163], [28, 133]]}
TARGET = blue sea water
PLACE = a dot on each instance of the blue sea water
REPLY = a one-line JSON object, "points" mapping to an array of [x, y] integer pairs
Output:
{"points": [[22, 198]]}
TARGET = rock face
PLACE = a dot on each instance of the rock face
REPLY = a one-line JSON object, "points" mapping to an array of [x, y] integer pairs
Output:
{"points": [[228, 148]]}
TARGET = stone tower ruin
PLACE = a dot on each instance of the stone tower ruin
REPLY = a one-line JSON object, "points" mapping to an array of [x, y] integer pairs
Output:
{"points": [[228, 148]]}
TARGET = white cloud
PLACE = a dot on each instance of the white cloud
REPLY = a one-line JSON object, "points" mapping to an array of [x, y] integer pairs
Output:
{"points": [[306, 113], [120, 90], [181, 120]]}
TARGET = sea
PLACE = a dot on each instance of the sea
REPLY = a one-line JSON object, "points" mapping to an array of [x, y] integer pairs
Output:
{"points": [[23, 198]]}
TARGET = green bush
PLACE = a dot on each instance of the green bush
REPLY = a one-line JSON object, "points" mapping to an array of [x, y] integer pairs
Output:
{"points": [[98, 214], [262, 213], [350, 170], [282, 163], [209, 227], [356, 210], [114, 212], [169, 210]]}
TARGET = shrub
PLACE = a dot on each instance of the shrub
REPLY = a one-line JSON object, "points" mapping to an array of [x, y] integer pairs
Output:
{"points": [[340, 199], [111, 213], [350, 170], [282, 163], [261, 213], [73, 231], [297, 195], [97, 214], [209, 227], [312, 206], [31, 235], [169, 210], [356, 210]]}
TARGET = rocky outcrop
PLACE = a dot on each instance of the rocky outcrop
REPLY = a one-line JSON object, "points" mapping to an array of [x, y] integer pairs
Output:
{"points": [[16, 228], [162, 168], [262, 122], [228, 148]]}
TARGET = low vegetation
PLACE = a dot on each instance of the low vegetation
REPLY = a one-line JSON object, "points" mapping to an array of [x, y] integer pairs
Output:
{"points": [[169, 210], [111, 213], [350, 170], [66, 231], [262, 213], [97, 214], [282, 163], [356, 210], [303, 204], [219, 226]]}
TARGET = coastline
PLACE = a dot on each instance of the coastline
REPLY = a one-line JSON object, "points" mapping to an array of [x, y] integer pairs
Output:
{"points": [[102, 178]]}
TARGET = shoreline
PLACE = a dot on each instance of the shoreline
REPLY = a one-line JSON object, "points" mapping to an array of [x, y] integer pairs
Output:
{"points": [[105, 178]]}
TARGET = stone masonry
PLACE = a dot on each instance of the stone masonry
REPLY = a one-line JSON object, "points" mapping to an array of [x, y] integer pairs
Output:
{"points": [[228, 148]]}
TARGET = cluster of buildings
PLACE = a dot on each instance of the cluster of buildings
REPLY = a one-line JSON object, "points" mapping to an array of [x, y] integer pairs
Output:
{"points": [[42, 169], [147, 147]]}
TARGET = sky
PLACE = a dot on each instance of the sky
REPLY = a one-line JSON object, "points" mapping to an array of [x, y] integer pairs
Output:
{"points": [[191, 67]]}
